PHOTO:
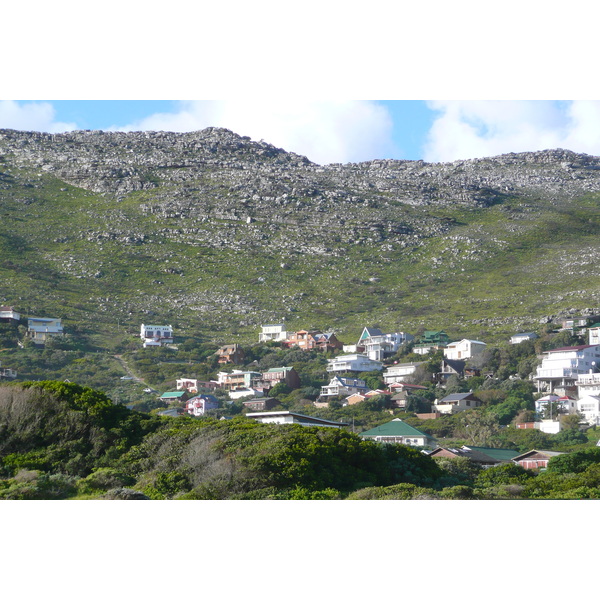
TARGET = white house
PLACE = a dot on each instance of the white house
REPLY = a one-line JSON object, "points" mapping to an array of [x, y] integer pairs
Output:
{"points": [[517, 338], [7, 373], [561, 367], [564, 404], [245, 393], [41, 329], [588, 392], [400, 372], [594, 334], [379, 345], [454, 403], [198, 405], [156, 335], [353, 362], [273, 333], [464, 349], [343, 386], [398, 432], [589, 408], [285, 417], [7, 313]]}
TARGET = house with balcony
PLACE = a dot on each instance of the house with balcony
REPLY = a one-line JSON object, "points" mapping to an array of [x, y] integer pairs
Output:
{"points": [[230, 353], [239, 379], [431, 341], [352, 363], [400, 372], [40, 330], [343, 386], [594, 334], [588, 394], [377, 345], [561, 367], [156, 335], [273, 333], [313, 340], [200, 404], [287, 375]]}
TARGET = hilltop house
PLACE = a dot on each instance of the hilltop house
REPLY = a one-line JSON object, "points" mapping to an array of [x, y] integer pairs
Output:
{"points": [[561, 367], [8, 313], [200, 404], [464, 349], [517, 338], [41, 329], [352, 362], [431, 340], [156, 335], [286, 417], [343, 386], [455, 403], [377, 345], [273, 333], [398, 432], [231, 353]]}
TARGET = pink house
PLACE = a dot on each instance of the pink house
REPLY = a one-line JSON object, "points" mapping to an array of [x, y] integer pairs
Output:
{"points": [[199, 405]]}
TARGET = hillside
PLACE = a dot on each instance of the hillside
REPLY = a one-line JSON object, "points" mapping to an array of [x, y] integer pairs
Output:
{"points": [[216, 234]]}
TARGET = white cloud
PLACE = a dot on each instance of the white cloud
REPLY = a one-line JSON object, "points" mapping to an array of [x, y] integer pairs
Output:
{"points": [[324, 131], [31, 116], [472, 129]]}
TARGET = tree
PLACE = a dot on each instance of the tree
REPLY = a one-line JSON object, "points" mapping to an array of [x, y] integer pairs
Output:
{"points": [[479, 426]]}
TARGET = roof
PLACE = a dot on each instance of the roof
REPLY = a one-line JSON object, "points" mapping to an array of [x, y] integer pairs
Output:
{"points": [[396, 427], [548, 453], [457, 365], [279, 370], [174, 394], [370, 331], [297, 417], [565, 348], [495, 453], [456, 397]]}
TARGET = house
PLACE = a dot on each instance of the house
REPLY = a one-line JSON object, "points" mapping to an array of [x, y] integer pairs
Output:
{"points": [[286, 417], [287, 375], [273, 333], [451, 367], [578, 322], [180, 396], [171, 412], [594, 334], [242, 392], [8, 314], [343, 386], [455, 403], [239, 379], [559, 404], [535, 459], [380, 346], [464, 349], [431, 340], [156, 335], [313, 340], [200, 404], [40, 329], [193, 385], [356, 398], [485, 457], [561, 367], [231, 353], [398, 432], [7, 373], [401, 393], [261, 403], [589, 409], [353, 362], [517, 338], [400, 372]]}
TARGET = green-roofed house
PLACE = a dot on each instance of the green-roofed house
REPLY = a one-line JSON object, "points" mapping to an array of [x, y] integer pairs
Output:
{"points": [[180, 396], [398, 432]]}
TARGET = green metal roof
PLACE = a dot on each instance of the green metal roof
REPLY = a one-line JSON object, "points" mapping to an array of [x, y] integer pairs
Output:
{"points": [[496, 453], [393, 428], [173, 394]]}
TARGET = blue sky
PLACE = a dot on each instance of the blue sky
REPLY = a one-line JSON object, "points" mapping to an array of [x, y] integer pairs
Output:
{"points": [[328, 131]]}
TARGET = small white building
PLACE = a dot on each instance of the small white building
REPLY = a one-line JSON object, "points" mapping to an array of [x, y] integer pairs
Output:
{"points": [[7, 313], [285, 417], [245, 393], [464, 349], [353, 362], [156, 335], [273, 333], [589, 408], [517, 338], [594, 334]]}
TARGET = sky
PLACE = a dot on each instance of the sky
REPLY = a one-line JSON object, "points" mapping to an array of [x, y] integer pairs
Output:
{"points": [[340, 131]]}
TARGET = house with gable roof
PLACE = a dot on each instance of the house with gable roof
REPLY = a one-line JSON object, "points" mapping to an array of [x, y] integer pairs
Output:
{"points": [[485, 457], [397, 431], [464, 349], [454, 403], [431, 340], [343, 386]]}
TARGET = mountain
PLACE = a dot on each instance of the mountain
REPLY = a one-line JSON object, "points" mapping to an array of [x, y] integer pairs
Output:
{"points": [[216, 235]]}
